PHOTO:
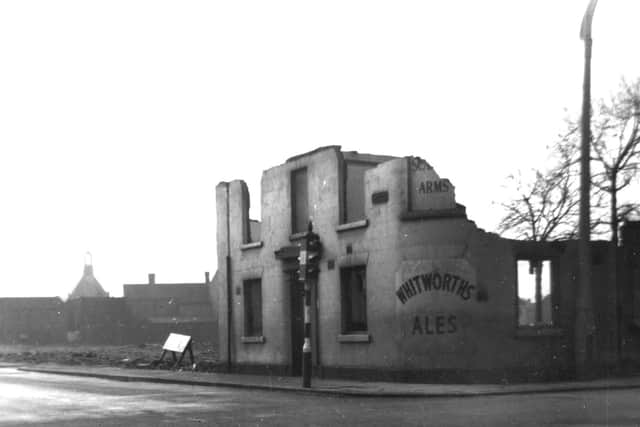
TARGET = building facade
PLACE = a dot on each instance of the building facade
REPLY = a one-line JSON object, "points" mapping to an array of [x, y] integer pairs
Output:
{"points": [[146, 314], [32, 320], [158, 309], [408, 289]]}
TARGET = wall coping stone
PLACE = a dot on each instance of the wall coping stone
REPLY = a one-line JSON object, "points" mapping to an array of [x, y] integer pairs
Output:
{"points": [[354, 338], [538, 331], [252, 245], [253, 340], [297, 236], [458, 212], [363, 223]]}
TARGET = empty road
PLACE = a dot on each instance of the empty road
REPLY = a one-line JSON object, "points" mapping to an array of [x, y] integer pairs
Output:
{"points": [[41, 399]]}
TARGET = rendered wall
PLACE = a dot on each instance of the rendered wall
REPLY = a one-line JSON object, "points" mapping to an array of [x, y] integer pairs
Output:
{"points": [[249, 261], [436, 333]]}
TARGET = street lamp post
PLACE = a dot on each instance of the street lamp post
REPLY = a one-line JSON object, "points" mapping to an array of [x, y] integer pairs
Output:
{"points": [[584, 327], [308, 261]]}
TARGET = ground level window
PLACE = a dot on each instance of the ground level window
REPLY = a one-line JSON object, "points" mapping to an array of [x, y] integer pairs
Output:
{"points": [[534, 293], [252, 308], [353, 281]]}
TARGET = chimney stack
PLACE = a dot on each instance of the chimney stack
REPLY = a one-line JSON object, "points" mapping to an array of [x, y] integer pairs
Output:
{"points": [[206, 277], [152, 279]]}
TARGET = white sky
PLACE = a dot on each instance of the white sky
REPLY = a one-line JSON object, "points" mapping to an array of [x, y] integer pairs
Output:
{"points": [[527, 280], [118, 118]]}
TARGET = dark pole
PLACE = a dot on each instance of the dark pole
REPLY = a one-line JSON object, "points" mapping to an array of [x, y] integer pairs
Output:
{"points": [[538, 277], [306, 347], [229, 283], [584, 327]]}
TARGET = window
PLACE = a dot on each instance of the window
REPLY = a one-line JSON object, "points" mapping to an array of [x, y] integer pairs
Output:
{"points": [[299, 201], [534, 293], [353, 281], [253, 308], [354, 191]]}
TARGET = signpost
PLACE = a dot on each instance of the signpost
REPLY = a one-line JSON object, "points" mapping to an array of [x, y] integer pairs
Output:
{"points": [[177, 343], [308, 260]]}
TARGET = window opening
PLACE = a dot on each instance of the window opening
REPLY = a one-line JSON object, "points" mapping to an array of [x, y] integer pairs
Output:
{"points": [[354, 299], [299, 201], [253, 307], [354, 191], [534, 293]]}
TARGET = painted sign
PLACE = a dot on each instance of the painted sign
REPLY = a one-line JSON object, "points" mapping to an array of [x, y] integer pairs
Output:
{"points": [[438, 320], [434, 324], [428, 191], [433, 300], [435, 281]]}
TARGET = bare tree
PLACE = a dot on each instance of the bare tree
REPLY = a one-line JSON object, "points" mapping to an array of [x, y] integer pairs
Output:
{"points": [[616, 150], [566, 151], [615, 157], [547, 207]]}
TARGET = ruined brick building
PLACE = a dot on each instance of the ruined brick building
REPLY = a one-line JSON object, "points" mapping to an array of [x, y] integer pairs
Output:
{"points": [[409, 288]]}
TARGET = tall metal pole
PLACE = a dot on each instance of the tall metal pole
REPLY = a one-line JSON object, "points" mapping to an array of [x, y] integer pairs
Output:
{"points": [[584, 327], [306, 347]]}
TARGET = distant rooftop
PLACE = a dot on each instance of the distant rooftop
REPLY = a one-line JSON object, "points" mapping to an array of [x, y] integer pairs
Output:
{"points": [[88, 286]]}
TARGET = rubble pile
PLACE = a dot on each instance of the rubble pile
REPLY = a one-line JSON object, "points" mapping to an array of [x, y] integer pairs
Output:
{"points": [[143, 356]]}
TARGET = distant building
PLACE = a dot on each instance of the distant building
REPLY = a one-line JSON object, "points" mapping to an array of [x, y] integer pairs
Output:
{"points": [[91, 316], [146, 314], [88, 286], [160, 308], [32, 320]]}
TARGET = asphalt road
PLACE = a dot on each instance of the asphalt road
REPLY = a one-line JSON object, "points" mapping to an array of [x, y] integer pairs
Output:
{"points": [[41, 399]]}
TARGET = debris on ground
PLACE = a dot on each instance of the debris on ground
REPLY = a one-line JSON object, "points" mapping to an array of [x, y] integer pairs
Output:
{"points": [[135, 356]]}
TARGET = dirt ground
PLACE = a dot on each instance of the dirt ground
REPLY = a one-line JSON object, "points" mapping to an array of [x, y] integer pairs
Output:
{"points": [[143, 356]]}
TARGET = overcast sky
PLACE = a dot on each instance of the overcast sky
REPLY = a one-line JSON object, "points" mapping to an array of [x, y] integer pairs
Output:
{"points": [[118, 118]]}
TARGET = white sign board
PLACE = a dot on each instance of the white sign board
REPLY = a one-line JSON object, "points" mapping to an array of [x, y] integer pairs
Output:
{"points": [[176, 342]]}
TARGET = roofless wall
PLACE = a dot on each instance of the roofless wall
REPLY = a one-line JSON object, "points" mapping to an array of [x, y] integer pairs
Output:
{"points": [[409, 288]]}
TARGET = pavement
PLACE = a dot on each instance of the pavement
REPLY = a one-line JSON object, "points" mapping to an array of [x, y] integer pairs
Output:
{"points": [[327, 386]]}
